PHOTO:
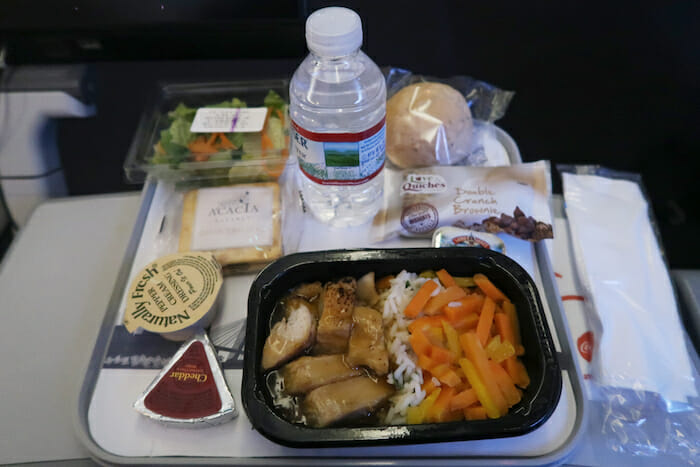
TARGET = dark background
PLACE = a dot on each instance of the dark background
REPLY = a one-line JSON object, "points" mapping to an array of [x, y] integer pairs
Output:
{"points": [[612, 83]]}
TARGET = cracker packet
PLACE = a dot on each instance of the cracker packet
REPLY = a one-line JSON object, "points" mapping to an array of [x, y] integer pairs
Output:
{"points": [[513, 200]]}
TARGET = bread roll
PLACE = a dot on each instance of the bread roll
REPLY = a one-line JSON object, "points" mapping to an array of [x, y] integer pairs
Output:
{"points": [[427, 124]]}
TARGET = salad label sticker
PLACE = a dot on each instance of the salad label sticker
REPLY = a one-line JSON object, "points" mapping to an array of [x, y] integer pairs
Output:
{"points": [[226, 120], [340, 158], [233, 217]]}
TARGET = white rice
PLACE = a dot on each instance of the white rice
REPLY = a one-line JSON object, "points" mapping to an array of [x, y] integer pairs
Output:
{"points": [[406, 376]]}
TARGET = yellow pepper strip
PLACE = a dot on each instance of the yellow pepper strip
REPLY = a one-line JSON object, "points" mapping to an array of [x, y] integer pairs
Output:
{"points": [[452, 339], [481, 392], [416, 415], [464, 281], [498, 350]]}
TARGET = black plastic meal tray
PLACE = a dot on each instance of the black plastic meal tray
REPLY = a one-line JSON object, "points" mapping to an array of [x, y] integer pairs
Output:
{"points": [[539, 399]]}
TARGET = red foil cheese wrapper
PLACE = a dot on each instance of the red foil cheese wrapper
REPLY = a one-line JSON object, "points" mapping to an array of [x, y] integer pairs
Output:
{"points": [[191, 390]]}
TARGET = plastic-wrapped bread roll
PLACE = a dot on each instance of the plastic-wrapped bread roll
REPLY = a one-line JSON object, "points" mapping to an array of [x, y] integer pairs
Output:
{"points": [[428, 124]]}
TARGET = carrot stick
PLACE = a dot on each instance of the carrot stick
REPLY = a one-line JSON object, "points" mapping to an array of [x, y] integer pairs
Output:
{"points": [[425, 362], [212, 139], [517, 372], [482, 392], [477, 355], [441, 407], [446, 375], [415, 306], [428, 385], [504, 328], [445, 278], [226, 143], [511, 313], [420, 343], [475, 413], [485, 320], [505, 384], [448, 295], [468, 322], [425, 322], [441, 355], [464, 399], [490, 290], [464, 306]]}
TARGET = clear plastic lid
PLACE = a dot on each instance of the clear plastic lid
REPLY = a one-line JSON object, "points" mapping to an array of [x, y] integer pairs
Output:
{"points": [[196, 131]]}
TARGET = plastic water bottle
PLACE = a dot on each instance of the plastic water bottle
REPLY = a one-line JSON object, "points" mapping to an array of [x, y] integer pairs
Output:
{"points": [[338, 109]]}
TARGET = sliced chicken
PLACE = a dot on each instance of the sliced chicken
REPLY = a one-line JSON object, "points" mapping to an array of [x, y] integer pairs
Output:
{"points": [[307, 373], [337, 303], [366, 290], [310, 291], [291, 303], [289, 337], [333, 402], [366, 345]]}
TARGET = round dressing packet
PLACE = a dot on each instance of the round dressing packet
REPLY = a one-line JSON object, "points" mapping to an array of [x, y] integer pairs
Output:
{"points": [[174, 295]]}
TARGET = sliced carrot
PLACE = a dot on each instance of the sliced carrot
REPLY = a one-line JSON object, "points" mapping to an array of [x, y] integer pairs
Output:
{"points": [[467, 323], [425, 362], [504, 328], [450, 378], [417, 414], [452, 339], [445, 278], [441, 407], [511, 313], [483, 328], [460, 308], [428, 385], [517, 372], [199, 145], [482, 393], [475, 413], [505, 384], [226, 143], [266, 142], [383, 283], [425, 322], [415, 306], [435, 335], [420, 343], [477, 355], [212, 139], [464, 399], [486, 286], [441, 355], [450, 294]]}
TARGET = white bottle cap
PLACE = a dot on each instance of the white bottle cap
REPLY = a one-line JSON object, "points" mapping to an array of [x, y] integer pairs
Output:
{"points": [[333, 32]]}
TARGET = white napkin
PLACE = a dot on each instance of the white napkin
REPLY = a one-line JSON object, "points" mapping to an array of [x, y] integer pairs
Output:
{"points": [[641, 342]]}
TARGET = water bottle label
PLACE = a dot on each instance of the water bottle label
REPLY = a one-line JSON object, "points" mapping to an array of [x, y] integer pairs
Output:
{"points": [[340, 158]]}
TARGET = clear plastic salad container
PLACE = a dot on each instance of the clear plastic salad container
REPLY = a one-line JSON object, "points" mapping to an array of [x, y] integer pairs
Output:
{"points": [[235, 131]]}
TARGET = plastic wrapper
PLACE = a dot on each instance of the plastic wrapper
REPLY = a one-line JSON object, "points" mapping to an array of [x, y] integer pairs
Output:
{"points": [[432, 121], [235, 131], [512, 200], [241, 224], [643, 370]]}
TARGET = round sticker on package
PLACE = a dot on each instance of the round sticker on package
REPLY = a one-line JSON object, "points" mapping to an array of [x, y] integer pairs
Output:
{"points": [[419, 218]]}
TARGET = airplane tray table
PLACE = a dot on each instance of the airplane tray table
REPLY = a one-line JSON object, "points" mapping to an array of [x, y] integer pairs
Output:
{"points": [[122, 365]]}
